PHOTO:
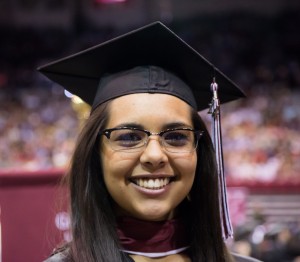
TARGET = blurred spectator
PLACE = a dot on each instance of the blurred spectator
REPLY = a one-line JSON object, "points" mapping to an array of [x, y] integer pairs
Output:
{"points": [[261, 137], [35, 129]]}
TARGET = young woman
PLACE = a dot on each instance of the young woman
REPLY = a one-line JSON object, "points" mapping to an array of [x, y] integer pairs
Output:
{"points": [[143, 179]]}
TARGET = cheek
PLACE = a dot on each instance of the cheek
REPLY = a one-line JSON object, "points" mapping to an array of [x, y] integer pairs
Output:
{"points": [[186, 164], [186, 167], [115, 167], [112, 175]]}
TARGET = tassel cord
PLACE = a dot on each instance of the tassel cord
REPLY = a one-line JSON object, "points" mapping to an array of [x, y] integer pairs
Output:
{"points": [[227, 230]]}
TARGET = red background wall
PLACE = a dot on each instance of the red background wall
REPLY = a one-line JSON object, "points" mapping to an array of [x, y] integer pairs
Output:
{"points": [[29, 203]]}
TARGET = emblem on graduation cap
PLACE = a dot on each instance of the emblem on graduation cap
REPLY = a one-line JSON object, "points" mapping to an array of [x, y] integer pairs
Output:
{"points": [[151, 59]]}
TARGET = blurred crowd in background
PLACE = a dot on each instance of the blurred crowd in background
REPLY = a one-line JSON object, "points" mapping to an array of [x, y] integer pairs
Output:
{"points": [[261, 138], [38, 129]]}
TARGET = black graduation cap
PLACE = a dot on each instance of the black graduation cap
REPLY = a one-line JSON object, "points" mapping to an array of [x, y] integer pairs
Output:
{"points": [[154, 45]]}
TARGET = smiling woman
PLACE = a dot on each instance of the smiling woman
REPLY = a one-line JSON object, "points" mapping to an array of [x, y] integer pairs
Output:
{"points": [[144, 177]]}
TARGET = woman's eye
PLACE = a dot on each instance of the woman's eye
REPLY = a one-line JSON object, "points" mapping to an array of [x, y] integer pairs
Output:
{"points": [[176, 138], [125, 138], [129, 137]]}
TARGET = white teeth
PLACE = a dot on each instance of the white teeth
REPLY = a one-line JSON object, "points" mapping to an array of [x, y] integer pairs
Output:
{"points": [[157, 183], [152, 183]]}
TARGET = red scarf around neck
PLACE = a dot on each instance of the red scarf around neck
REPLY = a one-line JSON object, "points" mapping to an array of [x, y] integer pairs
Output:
{"points": [[155, 238]]}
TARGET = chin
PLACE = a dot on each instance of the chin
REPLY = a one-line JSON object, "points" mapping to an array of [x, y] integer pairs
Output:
{"points": [[155, 216]]}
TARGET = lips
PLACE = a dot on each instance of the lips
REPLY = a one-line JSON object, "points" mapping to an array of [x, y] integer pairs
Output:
{"points": [[152, 183]]}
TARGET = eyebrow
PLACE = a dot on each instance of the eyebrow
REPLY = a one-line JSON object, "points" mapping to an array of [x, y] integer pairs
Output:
{"points": [[130, 124], [164, 127]]}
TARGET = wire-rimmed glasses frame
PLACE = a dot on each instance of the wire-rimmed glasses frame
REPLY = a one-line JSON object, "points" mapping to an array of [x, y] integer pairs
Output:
{"points": [[131, 139]]}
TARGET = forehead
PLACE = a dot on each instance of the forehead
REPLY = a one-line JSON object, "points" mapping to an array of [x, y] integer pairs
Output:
{"points": [[149, 110]]}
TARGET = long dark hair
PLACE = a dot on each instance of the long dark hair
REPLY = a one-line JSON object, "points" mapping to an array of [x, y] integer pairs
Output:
{"points": [[93, 220]]}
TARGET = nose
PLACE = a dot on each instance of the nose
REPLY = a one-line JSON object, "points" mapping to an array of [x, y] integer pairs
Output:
{"points": [[154, 155]]}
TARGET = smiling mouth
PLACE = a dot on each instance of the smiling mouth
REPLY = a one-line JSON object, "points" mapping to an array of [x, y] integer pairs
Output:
{"points": [[152, 183]]}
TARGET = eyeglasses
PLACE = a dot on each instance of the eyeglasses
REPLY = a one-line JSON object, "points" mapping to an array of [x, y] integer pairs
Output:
{"points": [[129, 139]]}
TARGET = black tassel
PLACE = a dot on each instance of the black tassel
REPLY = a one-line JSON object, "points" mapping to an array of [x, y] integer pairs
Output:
{"points": [[217, 141]]}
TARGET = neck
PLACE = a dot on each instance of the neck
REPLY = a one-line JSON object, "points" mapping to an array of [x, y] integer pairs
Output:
{"points": [[152, 239]]}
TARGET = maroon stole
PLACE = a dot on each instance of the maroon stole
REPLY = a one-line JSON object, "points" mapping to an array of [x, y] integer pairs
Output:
{"points": [[152, 238]]}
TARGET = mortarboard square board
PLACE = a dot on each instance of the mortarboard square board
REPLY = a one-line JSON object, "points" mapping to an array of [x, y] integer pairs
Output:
{"points": [[155, 45]]}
